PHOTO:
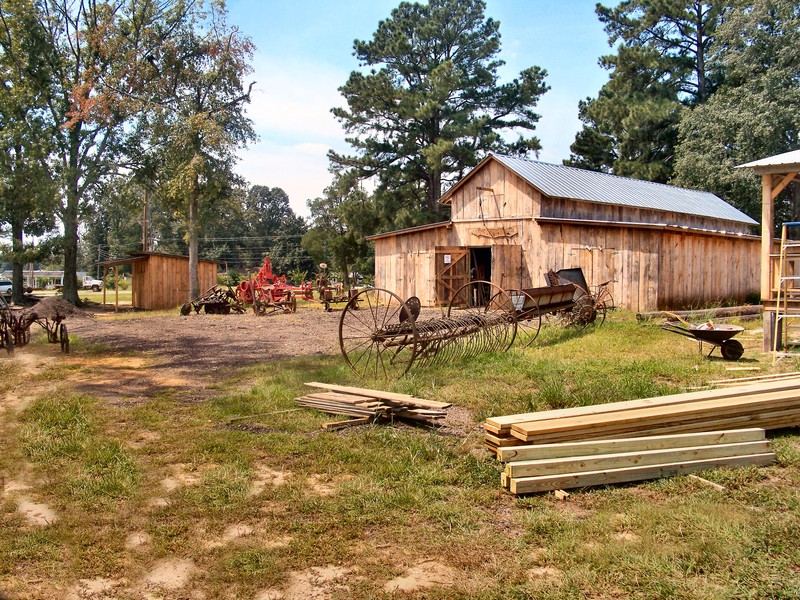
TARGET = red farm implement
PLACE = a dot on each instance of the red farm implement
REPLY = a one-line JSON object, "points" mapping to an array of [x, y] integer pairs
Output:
{"points": [[270, 293]]}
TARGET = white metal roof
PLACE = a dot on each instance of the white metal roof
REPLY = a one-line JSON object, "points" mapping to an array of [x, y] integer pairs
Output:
{"points": [[558, 181], [787, 158]]}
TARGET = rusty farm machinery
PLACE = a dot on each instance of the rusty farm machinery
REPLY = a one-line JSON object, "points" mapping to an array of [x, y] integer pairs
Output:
{"points": [[380, 335], [15, 327], [269, 293]]}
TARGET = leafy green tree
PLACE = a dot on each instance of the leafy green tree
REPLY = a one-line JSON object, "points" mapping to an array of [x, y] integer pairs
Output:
{"points": [[27, 194], [273, 228], [199, 121], [430, 105], [756, 113], [662, 64], [99, 66], [341, 220]]}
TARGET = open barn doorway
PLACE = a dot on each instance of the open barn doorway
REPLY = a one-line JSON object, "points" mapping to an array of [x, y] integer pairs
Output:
{"points": [[480, 260]]}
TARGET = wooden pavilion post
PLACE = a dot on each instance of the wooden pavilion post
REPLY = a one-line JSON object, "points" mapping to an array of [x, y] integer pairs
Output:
{"points": [[767, 243]]}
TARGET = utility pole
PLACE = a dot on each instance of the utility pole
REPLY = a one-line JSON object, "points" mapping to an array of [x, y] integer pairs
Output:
{"points": [[145, 247]]}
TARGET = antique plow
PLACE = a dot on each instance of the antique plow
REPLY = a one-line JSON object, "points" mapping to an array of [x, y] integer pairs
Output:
{"points": [[215, 301], [15, 328], [380, 335]]}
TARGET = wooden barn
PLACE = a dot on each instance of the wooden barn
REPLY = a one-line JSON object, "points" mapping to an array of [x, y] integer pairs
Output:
{"points": [[512, 220], [160, 280]]}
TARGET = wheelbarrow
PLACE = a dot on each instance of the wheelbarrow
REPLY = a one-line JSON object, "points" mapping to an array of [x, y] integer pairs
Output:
{"points": [[716, 335]]}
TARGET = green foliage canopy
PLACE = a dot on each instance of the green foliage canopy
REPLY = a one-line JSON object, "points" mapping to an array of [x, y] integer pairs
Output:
{"points": [[430, 104]]}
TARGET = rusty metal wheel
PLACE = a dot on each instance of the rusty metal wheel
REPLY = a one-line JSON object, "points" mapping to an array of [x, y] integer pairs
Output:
{"points": [[529, 319], [63, 338], [6, 341], [374, 339], [484, 297]]}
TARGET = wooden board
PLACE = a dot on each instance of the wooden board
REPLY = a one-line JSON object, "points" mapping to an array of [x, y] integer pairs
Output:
{"points": [[590, 448], [766, 420], [580, 464], [527, 485], [503, 424], [527, 431], [405, 399]]}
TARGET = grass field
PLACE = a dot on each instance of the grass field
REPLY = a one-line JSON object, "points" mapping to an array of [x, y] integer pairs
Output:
{"points": [[176, 497]]}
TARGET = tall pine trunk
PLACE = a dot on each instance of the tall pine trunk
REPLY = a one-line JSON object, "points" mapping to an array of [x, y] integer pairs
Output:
{"points": [[69, 219], [194, 242]]}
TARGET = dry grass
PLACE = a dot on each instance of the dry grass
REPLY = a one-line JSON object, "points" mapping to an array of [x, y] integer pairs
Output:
{"points": [[166, 498]]}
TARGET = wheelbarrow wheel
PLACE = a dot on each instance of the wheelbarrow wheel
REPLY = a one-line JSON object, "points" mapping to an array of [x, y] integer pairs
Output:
{"points": [[731, 349]]}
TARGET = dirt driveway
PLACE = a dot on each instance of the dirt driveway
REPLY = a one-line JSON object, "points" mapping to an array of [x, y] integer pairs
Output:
{"points": [[152, 353]]}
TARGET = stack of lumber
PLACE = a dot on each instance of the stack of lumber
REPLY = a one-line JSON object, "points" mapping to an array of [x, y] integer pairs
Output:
{"points": [[546, 467], [768, 405], [368, 405]]}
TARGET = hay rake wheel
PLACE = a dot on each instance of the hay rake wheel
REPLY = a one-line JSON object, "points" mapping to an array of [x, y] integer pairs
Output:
{"points": [[529, 316], [494, 308], [376, 336]]}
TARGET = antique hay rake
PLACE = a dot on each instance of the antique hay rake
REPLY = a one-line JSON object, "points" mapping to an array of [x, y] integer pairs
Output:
{"points": [[380, 336]]}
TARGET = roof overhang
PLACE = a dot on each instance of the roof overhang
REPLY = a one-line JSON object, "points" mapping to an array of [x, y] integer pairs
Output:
{"points": [[140, 256], [407, 230], [788, 162], [656, 226]]}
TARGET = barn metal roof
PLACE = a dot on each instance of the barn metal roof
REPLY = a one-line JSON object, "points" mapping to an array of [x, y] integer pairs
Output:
{"points": [[559, 181]]}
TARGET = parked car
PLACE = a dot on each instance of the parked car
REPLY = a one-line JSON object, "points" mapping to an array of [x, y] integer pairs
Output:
{"points": [[5, 287]]}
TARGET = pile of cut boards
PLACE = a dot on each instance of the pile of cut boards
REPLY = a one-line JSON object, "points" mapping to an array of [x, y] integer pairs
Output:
{"points": [[764, 405], [368, 405]]}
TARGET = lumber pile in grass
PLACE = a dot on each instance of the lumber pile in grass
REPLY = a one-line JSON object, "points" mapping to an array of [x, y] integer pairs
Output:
{"points": [[368, 405], [767, 405], [547, 467]]}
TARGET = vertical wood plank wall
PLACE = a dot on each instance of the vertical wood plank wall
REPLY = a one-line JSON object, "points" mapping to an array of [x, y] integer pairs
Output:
{"points": [[163, 281], [653, 268]]}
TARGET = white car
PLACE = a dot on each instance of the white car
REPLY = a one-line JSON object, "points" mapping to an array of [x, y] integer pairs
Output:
{"points": [[5, 287]]}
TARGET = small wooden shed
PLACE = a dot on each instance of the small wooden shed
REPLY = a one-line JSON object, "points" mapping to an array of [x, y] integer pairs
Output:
{"points": [[512, 220], [159, 280]]}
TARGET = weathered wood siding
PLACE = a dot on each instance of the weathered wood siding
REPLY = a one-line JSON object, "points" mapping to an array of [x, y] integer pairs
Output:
{"points": [[653, 267], [161, 282]]}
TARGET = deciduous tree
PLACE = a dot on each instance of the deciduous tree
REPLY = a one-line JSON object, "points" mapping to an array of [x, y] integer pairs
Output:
{"points": [[756, 113]]}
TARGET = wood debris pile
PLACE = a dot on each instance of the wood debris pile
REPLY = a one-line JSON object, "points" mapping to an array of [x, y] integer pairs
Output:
{"points": [[369, 405], [762, 404]]}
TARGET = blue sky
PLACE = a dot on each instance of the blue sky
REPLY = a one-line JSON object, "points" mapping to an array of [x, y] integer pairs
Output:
{"points": [[305, 52]]}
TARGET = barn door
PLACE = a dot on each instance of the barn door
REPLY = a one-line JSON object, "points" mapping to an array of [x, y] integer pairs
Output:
{"points": [[507, 267], [452, 272]]}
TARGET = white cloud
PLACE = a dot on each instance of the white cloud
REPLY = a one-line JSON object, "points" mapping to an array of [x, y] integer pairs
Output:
{"points": [[301, 170], [291, 113]]}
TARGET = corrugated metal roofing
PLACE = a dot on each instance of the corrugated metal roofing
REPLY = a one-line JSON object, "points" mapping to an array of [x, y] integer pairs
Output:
{"points": [[787, 158], [559, 181]]}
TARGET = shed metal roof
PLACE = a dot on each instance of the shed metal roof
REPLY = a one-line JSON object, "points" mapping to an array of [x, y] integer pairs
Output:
{"points": [[559, 181], [787, 159]]}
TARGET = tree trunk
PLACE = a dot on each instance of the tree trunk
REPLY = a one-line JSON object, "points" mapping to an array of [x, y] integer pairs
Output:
{"points": [[434, 190], [69, 219], [194, 227], [17, 266]]}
